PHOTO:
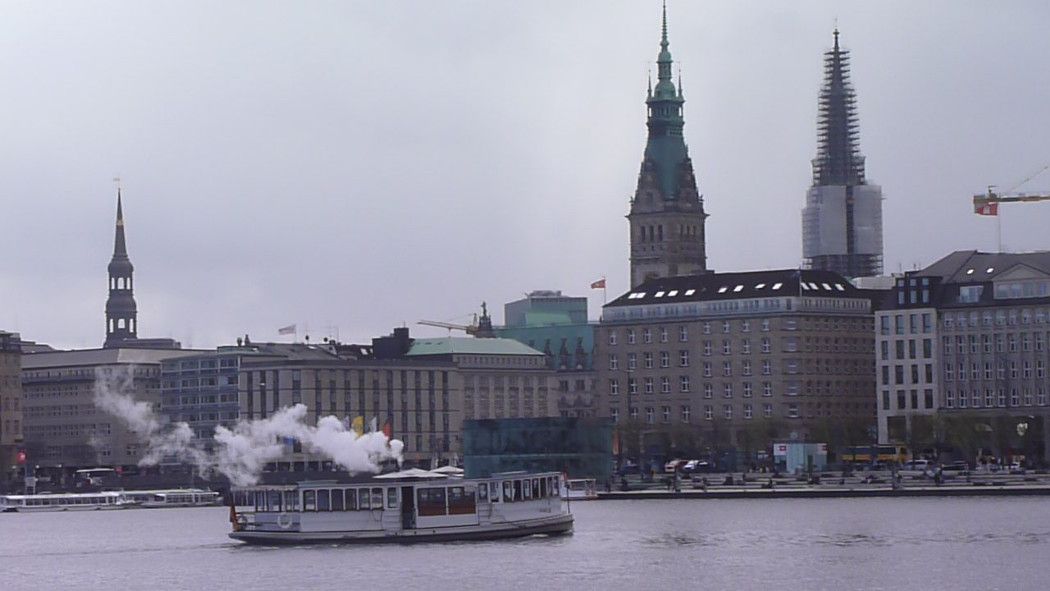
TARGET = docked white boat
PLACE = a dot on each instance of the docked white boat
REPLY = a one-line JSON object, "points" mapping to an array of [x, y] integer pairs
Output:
{"points": [[65, 502], [581, 489], [176, 497], [404, 507]]}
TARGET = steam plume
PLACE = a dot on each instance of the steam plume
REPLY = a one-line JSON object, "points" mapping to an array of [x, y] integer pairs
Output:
{"points": [[243, 450]]}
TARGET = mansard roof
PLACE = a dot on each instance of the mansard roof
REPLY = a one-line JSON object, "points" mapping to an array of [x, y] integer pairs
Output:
{"points": [[744, 285]]}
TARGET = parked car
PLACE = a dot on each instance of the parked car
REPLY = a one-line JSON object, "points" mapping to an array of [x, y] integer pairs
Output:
{"points": [[956, 467], [675, 466], [694, 466]]}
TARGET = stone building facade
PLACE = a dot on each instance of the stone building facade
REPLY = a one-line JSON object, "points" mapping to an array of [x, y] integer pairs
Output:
{"points": [[966, 341], [419, 390], [718, 354], [64, 429]]}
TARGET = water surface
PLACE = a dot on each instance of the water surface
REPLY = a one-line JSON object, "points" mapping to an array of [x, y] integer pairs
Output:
{"points": [[915, 543]]}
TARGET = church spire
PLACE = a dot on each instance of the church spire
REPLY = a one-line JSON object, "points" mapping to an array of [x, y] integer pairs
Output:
{"points": [[121, 310], [838, 160], [842, 219], [120, 247]]}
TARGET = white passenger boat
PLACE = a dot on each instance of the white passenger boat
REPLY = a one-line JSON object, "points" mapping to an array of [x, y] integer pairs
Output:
{"points": [[404, 507], [581, 489], [65, 502], [176, 497]]}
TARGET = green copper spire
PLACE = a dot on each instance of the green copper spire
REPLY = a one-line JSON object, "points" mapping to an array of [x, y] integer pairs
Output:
{"points": [[664, 86], [666, 146]]}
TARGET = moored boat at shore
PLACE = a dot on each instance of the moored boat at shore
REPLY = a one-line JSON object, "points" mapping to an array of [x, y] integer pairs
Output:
{"points": [[404, 507], [175, 497], [581, 489], [65, 502]]}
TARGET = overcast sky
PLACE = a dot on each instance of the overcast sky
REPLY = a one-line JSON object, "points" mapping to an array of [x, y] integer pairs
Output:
{"points": [[366, 164]]}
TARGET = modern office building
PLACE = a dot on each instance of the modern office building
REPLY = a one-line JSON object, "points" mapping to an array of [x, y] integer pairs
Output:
{"points": [[557, 325], [963, 355], [842, 219], [10, 402], [667, 211], [738, 359], [579, 448]]}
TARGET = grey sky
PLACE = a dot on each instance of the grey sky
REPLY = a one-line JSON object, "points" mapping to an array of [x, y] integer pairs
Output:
{"points": [[364, 164]]}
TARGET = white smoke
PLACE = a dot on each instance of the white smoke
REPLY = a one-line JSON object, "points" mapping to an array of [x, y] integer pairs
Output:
{"points": [[242, 451]]}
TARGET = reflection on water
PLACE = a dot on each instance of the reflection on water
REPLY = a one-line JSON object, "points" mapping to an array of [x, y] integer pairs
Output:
{"points": [[959, 543]]}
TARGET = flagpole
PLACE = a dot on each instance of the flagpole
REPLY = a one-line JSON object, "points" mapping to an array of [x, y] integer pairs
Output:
{"points": [[999, 230]]}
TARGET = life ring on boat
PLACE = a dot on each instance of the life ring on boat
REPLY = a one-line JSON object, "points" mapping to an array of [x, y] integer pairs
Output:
{"points": [[281, 520]]}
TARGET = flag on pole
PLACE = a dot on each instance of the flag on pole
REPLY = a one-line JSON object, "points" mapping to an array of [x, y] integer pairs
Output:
{"points": [[599, 284], [986, 209], [290, 329]]}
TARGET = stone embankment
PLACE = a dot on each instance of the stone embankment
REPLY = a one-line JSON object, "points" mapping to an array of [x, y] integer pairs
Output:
{"points": [[832, 485]]}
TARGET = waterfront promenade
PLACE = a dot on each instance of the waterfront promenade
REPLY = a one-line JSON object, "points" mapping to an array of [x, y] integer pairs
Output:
{"points": [[832, 485]]}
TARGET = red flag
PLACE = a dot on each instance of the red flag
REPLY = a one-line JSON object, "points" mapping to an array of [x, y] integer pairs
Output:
{"points": [[986, 209], [599, 284], [388, 430]]}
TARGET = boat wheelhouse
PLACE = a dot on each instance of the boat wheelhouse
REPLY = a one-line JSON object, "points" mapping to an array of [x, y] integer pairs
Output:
{"points": [[65, 502], [403, 507], [178, 497]]}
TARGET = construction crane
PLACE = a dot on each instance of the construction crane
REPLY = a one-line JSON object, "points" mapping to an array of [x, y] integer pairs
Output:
{"points": [[471, 329], [988, 203], [479, 327]]}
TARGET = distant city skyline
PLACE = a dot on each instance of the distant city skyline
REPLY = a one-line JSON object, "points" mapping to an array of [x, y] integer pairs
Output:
{"points": [[367, 165]]}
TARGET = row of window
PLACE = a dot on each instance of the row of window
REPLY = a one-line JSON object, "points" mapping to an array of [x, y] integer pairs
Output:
{"points": [[662, 333], [1002, 343], [686, 412], [974, 319], [906, 323], [995, 399], [997, 371]]}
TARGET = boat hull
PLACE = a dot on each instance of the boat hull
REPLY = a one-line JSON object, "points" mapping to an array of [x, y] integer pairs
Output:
{"points": [[554, 525]]}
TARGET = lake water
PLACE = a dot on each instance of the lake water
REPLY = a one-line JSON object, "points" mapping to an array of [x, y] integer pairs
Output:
{"points": [[914, 543]]}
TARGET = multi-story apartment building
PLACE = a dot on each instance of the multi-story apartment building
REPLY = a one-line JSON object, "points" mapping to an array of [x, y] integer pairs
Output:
{"points": [[10, 401], [790, 349], [967, 337]]}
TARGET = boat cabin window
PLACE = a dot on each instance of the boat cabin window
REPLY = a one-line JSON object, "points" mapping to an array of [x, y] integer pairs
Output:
{"points": [[364, 500], [527, 485], [391, 498], [275, 501], [324, 500], [543, 487], [309, 500], [536, 487], [508, 491], [291, 500], [377, 499], [517, 490], [483, 492], [431, 501], [461, 500], [351, 499], [337, 499], [494, 491]]}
